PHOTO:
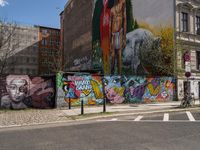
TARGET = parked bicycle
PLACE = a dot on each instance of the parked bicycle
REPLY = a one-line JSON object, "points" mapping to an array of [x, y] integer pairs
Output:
{"points": [[188, 100]]}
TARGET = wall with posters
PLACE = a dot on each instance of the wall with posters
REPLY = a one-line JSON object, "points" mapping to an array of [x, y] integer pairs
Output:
{"points": [[23, 91]]}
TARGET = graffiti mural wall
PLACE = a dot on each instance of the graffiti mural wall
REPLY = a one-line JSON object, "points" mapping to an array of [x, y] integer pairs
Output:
{"points": [[23, 91], [116, 89], [138, 89], [77, 88], [121, 44]]}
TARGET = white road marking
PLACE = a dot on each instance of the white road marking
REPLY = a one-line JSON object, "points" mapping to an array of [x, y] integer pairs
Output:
{"points": [[190, 116], [114, 119], [138, 118], [166, 117]]}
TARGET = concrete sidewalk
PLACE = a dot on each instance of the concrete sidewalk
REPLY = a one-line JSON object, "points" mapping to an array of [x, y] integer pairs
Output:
{"points": [[122, 108], [12, 118]]}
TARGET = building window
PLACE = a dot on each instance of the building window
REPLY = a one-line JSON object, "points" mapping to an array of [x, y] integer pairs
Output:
{"points": [[198, 24], [27, 60], [44, 42], [184, 22], [27, 71], [44, 31], [198, 60], [21, 71]]}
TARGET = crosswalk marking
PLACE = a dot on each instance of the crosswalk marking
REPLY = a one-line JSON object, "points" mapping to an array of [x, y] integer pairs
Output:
{"points": [[166, 117], [138, 118], [114, 119], [190, 116]]}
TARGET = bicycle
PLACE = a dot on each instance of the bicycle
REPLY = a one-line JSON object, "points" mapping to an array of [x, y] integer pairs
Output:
{"points": [[187, 101]]}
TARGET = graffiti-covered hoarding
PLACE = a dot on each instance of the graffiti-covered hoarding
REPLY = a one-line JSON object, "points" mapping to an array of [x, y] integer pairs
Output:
{"points": [[77, 88], [23, 91], [138, 89], [114, 89], [127, 44]]}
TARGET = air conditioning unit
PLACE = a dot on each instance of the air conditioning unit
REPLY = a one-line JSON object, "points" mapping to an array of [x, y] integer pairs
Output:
{"points": [[198, 31]]}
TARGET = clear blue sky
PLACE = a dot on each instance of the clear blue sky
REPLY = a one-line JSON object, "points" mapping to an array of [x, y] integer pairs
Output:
{"points": [[32, 12]]}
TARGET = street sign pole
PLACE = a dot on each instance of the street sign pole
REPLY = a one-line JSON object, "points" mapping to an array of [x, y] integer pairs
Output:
{"points": [[187, 59]]}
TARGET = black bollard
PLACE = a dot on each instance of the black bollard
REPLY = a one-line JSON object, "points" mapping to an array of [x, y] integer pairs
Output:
{"points": [[82, 108], [104, 105], [69, 103]]}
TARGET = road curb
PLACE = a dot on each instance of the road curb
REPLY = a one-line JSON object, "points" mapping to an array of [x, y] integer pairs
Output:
{"points": [[136, 113]]}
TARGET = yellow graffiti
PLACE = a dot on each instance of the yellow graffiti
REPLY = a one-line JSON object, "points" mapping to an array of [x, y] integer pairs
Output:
{"points": [[86, 92], [96, 89], [153, 91], [72, 100], [119, 90], [91, 102]]}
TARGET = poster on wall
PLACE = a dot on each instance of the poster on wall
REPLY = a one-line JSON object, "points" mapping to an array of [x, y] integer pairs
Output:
{"points": [[23, 91], [122, 41]]}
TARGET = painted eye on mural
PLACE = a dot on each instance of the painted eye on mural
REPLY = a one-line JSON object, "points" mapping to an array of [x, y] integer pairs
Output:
{"points": [[66, 88], [23, 89], [12, 87]]}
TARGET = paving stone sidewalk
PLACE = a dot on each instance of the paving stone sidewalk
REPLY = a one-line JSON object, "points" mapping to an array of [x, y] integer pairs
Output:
{"points": [[10, 118]]}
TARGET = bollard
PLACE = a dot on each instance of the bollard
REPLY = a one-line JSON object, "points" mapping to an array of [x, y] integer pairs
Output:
{"points": [[104, 105], [69, 103], [82, 108]]}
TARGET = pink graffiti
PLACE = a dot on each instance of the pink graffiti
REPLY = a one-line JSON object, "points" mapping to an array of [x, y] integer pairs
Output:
{"points": [[75, 78], [38, 87], [113, 96]]}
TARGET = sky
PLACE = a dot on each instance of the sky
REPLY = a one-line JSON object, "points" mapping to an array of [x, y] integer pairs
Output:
{"points": [[32, 12]]}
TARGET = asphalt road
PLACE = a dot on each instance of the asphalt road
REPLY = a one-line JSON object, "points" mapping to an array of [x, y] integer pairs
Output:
{"points": [[123, 133]]}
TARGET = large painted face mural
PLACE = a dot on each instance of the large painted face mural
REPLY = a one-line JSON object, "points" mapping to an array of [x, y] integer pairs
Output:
{"points": [[121, 46], [22, 91]]}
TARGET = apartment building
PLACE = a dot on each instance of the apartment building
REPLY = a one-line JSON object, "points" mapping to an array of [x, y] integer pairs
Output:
{"points": [[36, 51], [50, 56], [188, 39], [24, 58]]}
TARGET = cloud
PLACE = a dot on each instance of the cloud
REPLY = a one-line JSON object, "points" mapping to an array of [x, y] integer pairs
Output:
{"points": [[3, 3]]}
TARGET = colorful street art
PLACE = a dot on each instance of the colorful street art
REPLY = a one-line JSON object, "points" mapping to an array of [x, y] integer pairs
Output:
{"points": [[138, 89], [116, 89], [120, 46], [22, 91], [109, 34], [87, 88]]}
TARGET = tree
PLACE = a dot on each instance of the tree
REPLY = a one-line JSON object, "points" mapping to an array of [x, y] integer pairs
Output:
{"points": [[161, 59], [56, 61], [8, 43], [136, 25], [129, 16]]}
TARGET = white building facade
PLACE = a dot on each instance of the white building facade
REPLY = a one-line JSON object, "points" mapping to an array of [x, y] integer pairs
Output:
{"points": [[188, 41]]}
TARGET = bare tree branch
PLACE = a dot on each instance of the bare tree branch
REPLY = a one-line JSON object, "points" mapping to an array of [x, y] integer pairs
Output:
{"points": [[8, 43]]}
